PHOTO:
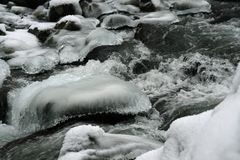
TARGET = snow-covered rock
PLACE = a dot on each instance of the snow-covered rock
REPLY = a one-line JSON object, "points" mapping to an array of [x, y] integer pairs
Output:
{"points": [[17, 41], [117, 21], [95, 8], [75, 46], [190, 6], [62, 8], [35, 60], [91, 142], [75, 23], [4, 71], [42, 30], [160, 18]]}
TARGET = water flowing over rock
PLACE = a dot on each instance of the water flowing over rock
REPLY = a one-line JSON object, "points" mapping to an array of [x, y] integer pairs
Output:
{"points": [[91, 142]]}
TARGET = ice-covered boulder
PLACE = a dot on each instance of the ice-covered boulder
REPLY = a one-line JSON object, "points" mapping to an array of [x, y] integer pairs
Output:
{"points": [[92, 95], [69, 95], [4, 71], [20, 10], [41, 13], [34, 61], [58, 9], [117, 21], [160, 18], [17, 41], [75, 23], [91, 142], [95, 8], [190, 6], [42, 30], [76, 46], [100, 37]]}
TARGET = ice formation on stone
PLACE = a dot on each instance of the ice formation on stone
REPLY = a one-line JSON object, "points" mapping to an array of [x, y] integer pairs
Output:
{"points": [[91, 142]]}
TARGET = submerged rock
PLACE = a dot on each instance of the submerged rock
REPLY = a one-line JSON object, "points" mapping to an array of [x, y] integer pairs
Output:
{"points": [[91, 142], [58, 9]]}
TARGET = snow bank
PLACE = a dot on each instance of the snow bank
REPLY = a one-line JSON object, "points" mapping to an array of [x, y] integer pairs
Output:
{"points": [[91, 142], [4, 71]]}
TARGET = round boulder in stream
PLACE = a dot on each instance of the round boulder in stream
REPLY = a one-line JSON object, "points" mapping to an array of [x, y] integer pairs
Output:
{"points": [[102, 94]]}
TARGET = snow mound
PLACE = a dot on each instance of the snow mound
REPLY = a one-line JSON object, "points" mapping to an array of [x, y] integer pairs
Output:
{"points": [[91, 142], [4, 71]]}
